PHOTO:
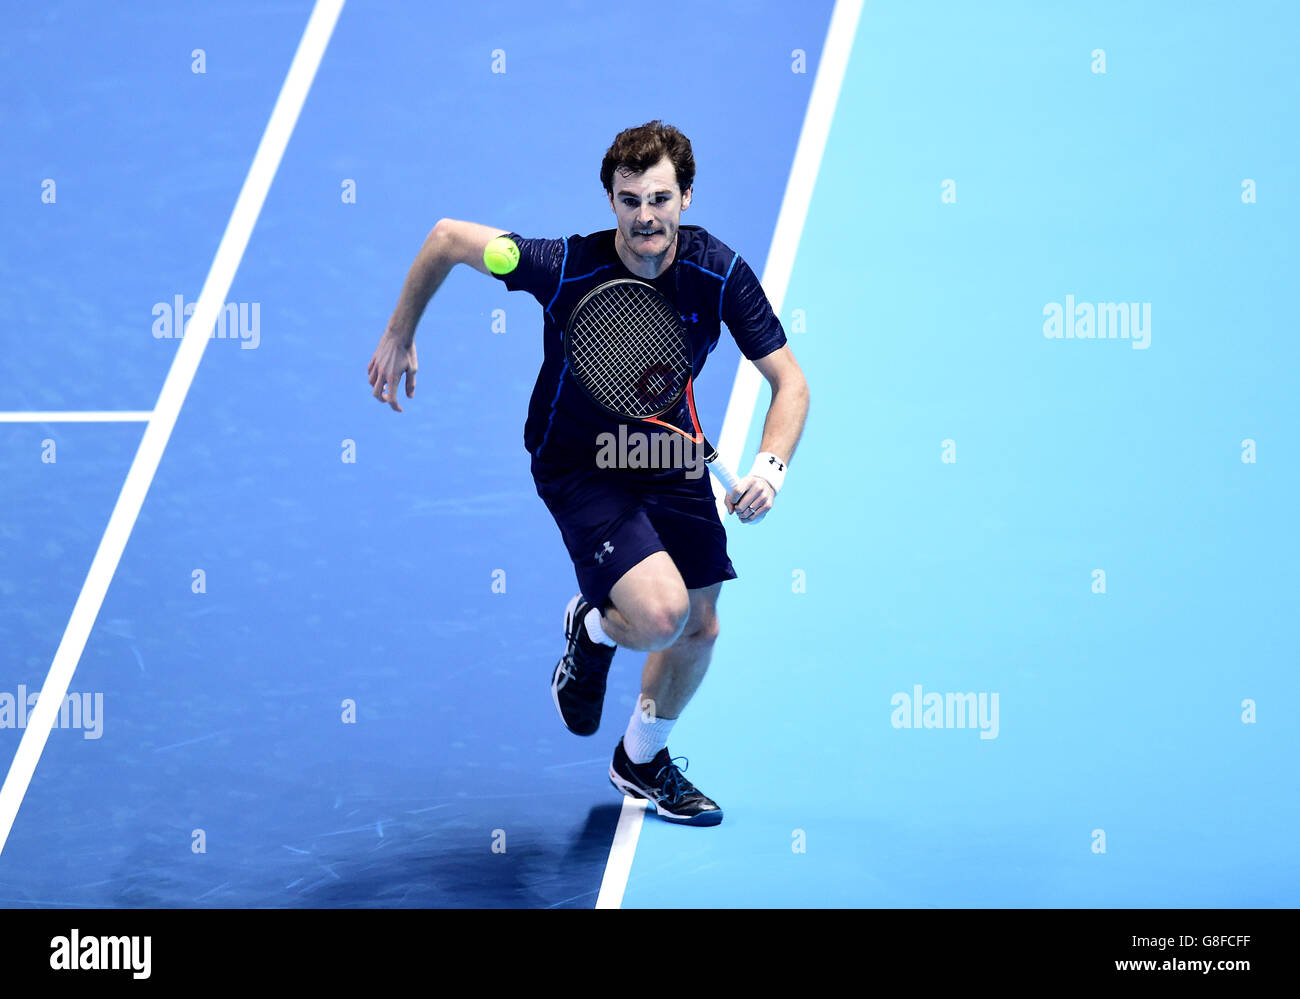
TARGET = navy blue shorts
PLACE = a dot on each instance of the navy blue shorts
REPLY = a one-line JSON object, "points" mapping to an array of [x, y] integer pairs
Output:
{"points": [[611, 519]]}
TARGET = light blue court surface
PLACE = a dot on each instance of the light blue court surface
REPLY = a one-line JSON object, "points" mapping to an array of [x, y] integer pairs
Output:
{"points": [[1121, 711], [977, 171]]}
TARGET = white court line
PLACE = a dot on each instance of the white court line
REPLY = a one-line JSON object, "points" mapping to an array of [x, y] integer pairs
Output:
{"points": [[744, 390], [69, 416], [794, 212], [311, 49], [621, 852]]}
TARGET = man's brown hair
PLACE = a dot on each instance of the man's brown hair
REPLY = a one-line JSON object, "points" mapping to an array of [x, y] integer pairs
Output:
{"points": [[636, 150]]}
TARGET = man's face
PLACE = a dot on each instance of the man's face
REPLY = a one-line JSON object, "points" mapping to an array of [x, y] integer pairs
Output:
{"points": [[648, 207]]}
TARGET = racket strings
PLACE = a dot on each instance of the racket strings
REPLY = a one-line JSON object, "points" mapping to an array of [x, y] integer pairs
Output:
{"points": [[629, 350]]}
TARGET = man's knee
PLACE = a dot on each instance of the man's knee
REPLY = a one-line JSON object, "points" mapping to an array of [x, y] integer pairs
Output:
{"points": [[662, 618], [702, 627]]}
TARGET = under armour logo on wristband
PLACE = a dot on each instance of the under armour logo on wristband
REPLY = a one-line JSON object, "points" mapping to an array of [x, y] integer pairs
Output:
{"points": [[608, 549], [769, 466]]}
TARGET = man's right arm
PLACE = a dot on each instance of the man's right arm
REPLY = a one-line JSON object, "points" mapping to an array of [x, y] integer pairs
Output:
{"points": [[449, 243]]}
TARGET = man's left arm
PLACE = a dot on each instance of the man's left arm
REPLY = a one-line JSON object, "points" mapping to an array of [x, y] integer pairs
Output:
{"points": [[781, 432]]}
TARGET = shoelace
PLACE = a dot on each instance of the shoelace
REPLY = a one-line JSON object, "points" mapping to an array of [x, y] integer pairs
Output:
{"points": [[675, 785], [569, 664], [581, 678]]}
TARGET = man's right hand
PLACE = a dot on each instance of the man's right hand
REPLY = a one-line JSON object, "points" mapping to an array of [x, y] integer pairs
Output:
{"points": [[392, 357], [449, 243]]}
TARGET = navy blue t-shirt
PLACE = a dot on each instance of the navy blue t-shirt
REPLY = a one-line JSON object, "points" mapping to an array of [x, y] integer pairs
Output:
{"points": [[707, 281]]}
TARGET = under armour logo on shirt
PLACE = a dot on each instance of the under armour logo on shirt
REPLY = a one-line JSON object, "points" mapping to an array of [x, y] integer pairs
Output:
{"points": [[694, 317], [608, 549]]}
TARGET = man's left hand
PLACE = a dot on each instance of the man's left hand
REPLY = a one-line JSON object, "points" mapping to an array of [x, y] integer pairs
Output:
{"points": [[756, 498]]}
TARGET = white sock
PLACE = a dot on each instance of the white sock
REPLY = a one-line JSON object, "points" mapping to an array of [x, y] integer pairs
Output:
{"points": [[643, 739], [594, 631]]}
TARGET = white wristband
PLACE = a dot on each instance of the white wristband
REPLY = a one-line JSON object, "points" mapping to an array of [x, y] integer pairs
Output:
{"points": [[770, 467]]}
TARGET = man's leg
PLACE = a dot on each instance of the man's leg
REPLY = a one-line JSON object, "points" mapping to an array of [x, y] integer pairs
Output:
{"points": [[648, 607], [642, 765], [671, 676]]}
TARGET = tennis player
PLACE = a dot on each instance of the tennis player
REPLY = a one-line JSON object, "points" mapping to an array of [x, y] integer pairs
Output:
{"points": [[648, 548]]}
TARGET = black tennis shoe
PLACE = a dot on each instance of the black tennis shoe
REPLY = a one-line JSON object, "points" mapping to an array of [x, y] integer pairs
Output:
{"points": [[578, 683], [662, 783]]}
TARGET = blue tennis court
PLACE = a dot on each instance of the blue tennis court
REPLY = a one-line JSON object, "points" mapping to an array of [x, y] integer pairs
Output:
{"points": [[1015, 634]]}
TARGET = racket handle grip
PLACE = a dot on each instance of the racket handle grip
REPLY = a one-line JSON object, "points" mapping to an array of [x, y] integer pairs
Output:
{"points": [[725, 475]]}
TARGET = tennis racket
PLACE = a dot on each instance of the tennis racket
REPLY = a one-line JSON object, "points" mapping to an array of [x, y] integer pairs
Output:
{"points": [[628, 350]]}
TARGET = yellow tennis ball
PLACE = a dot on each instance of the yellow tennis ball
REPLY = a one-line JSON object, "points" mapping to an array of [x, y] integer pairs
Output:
{"points": [[501, 255]]}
